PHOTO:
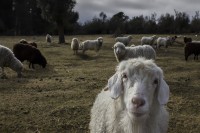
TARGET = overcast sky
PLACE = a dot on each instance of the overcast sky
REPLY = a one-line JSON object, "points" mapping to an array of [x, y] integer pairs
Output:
{"points": [[89, 8]]}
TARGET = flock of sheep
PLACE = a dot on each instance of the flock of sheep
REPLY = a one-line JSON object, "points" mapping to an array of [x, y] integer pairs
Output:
{"points": [[86, 45], [135, 96], [22, 51], [153, 41], [147, 48]]}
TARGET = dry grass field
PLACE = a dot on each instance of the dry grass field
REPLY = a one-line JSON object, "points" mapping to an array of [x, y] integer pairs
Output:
{"points": [[58, 98]]}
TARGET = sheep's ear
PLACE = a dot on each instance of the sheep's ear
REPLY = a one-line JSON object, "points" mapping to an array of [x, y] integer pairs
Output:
{"points": [[115, 86], [163, 92]]}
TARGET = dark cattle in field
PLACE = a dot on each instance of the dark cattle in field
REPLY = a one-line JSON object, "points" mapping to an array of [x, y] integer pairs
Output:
{"points": [[192, 48], [27, 52]]}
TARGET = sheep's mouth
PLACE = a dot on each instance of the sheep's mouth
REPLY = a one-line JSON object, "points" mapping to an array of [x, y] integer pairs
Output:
{"points": [[138, 114]]}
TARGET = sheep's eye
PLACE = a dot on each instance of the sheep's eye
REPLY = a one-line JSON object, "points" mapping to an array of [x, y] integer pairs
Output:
{"points": [[124, 76], [155, 81]]}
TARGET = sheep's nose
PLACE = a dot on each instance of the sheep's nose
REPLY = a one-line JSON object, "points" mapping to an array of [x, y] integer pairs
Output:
{"points": [[138, 102]]}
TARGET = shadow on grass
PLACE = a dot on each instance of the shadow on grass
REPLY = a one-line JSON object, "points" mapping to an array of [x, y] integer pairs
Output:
{"points": [[39, 71], [86, 57]]}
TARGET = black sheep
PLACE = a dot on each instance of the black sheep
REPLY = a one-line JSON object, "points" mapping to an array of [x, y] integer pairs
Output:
{"points": [[29, 53], [192, 48], [33, 44], [187, 39]]}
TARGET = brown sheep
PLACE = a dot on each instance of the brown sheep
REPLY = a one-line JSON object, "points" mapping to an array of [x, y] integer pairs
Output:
{"points": [[29, 53], [33, 44], [192, 48], [29, 43]]}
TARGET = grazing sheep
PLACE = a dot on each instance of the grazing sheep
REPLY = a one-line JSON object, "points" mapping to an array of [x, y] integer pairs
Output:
{"points": [[134, 100], [192, 48], [92, 45], [165, 41], [123, 53], [8, 59], [29, 43], [75, 45], [187, 39], [48, 38], [125, 40], [148, 40], [29, 53]]}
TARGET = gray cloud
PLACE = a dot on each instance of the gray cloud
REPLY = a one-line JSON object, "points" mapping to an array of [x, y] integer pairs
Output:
{"points": [[89, 8]]}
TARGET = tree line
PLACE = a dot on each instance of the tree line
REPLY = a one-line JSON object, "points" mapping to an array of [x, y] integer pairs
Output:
{"points": [[39, 17], [119, 23]]}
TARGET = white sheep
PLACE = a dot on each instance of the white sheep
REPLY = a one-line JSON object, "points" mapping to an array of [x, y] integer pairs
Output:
{"points": [[8, 59], [92, 45], [48, 38], [123, 53], [134, 100], [75, 45], [148, 40], [165, 41], [125, 40]]}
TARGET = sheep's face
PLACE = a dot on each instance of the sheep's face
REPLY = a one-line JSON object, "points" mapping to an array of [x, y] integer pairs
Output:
{"points": [[100, 40], [48, 38], [141, 83], [139, 88], [75, 41], [18, 68], [42, 61], [119, 49]]}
